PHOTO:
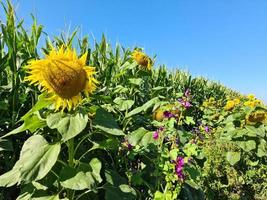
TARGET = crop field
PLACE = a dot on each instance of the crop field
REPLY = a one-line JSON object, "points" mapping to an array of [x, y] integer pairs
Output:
{"points": [[82, 120]]}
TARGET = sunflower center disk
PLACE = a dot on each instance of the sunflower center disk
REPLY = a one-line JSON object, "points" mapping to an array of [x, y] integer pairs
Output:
{"points": [[66, 81]]}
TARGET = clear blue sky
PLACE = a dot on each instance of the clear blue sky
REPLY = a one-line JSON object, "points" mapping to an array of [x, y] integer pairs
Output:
{"points": [[222, 40]]}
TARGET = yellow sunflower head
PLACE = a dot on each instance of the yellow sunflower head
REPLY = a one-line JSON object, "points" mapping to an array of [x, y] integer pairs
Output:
{"points": [[237, 101], [64, 76], [142, 59], [255, 117], [230, 104], [251, 96]]}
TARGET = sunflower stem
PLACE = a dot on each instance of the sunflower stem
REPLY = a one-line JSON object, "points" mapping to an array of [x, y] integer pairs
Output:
{"points": [[70, 145], [71, 152]]}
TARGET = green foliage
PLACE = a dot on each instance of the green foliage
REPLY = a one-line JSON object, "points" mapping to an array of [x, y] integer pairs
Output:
{"points": [[142, 134]]}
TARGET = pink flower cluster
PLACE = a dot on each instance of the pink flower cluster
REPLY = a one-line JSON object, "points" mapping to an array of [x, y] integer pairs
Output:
{"points": [[156, 133], [179, 165], [185, 100]]}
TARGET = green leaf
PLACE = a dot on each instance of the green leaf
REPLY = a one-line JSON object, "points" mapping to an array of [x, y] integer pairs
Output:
{"points": [[5, 145], [254, 132], [158, 88], [194, 173], [144, 107], [136, 136], [106, 122], [120, 89], [147, 139], [85, 177], [159, 196], [189, 120], [10, 178], [192, 184], [136, 81], [67, 125], [123, 104], [190, 149], [43, 102], [140, 137], [173, 154], [37, 157], [31, 123], [247, 145], [53, 197], [262, 148], [233, 157], [116, 187], [36, 191]]}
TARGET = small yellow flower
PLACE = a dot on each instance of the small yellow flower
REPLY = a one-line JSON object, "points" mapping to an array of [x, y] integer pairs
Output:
{"points": [[230, 104], [142, 59], [255, 117], [64, 76], [247, 103], [237, 101], [251, 96], [253, 103], [258, 102]]}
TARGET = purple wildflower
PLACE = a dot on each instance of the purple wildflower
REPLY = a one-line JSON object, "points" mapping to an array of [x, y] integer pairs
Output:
{"points": [[179, 167], [185, 103], [187, 93], [168, 114], [156, 135], [129, 146], [207, 129], [126, 144]]}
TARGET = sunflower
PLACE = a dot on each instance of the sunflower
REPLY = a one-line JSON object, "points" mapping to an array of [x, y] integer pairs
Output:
{"points": [[64, 76], [255, 117], [230, 104], [142, 59]]}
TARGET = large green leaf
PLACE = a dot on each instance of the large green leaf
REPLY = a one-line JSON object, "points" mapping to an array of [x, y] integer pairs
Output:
{"points": [[85, 177], [67, 125], [254, 132], [136, 81], [43, 102], [247, 145], [141, 137], [34, 193], [37, 157], [232, 157], [31, 122], [144, 107], [262, 148], [106, 122], [136, 136], [123, 104], [116, 187], [53, 197], [10, 178]]}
